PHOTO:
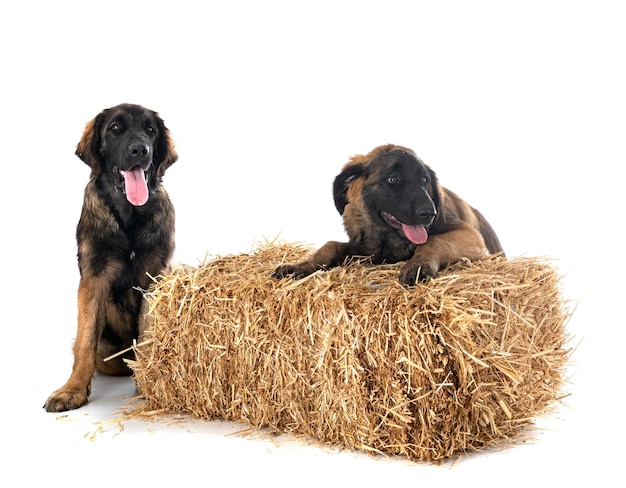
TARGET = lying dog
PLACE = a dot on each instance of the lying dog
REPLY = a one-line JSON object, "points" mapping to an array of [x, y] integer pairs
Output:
{"points": [[394, 210], [125, 232]]}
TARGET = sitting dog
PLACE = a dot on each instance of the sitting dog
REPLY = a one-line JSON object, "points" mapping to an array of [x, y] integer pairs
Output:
{"points": [[125, 233]]}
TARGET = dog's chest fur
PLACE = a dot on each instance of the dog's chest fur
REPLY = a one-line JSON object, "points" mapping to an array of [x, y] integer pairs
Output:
{"points": [[369, 239]]}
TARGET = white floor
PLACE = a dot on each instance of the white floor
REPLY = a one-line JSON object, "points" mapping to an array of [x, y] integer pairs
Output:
{"points": [[97, 442]]}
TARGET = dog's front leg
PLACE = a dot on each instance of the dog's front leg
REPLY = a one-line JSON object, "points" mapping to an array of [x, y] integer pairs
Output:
{"points": [[440, 251], [331, 254], [75, 392]]}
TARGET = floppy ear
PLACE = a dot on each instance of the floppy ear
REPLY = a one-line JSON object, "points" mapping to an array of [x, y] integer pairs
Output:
{"points": [[342, 183], [89, 145], [434, 189], [165, 154]]}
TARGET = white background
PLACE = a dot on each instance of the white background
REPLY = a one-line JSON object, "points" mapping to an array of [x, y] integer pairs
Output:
{"points": [[520, 107]]}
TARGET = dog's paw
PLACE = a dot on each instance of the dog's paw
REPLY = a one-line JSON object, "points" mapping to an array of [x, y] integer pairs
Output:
{"points": [[67, 399], [283, 271], [296, 270], [412, 272]]}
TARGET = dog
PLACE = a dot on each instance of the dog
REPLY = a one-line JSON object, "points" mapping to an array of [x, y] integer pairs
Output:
{"points": [[125, 235], [393, 210]]}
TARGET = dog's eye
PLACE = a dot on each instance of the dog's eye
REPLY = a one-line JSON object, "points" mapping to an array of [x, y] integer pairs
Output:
{"points": [[425, 180], [115, 127], [149, 128], [392, 180]]}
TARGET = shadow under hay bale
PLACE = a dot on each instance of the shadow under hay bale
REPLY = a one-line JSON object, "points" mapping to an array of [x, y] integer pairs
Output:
{"points": [[351, 358]]}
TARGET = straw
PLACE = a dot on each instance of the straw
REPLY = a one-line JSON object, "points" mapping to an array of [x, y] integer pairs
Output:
{"points": [[353, 359]]}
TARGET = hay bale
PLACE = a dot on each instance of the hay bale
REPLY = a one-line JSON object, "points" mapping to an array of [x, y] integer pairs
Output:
{"points": [[351, 358]]}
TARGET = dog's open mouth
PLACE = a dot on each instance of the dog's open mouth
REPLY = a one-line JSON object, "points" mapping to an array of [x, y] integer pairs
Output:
{"points": [[417, 234], [135, 185]]}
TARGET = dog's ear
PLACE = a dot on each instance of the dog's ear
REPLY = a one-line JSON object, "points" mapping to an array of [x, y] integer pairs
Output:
{"points": [[88, 148], [165, 154], [343, 181], [434, 189]]}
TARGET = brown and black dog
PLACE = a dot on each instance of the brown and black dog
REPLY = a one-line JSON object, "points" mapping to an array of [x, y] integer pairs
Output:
{"points": [[125, 233], [394, 210]]}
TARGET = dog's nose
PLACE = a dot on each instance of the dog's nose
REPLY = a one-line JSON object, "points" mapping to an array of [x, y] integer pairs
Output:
{"points": [[139, 149], [427, 212]]}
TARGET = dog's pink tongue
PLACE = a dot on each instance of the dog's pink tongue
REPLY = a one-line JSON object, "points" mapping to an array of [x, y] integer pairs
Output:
{"points": [[415, 233], [136, 187]]}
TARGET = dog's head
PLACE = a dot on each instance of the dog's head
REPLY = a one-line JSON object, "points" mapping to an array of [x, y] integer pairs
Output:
{"points": [[396, 189], [130, 148]]}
